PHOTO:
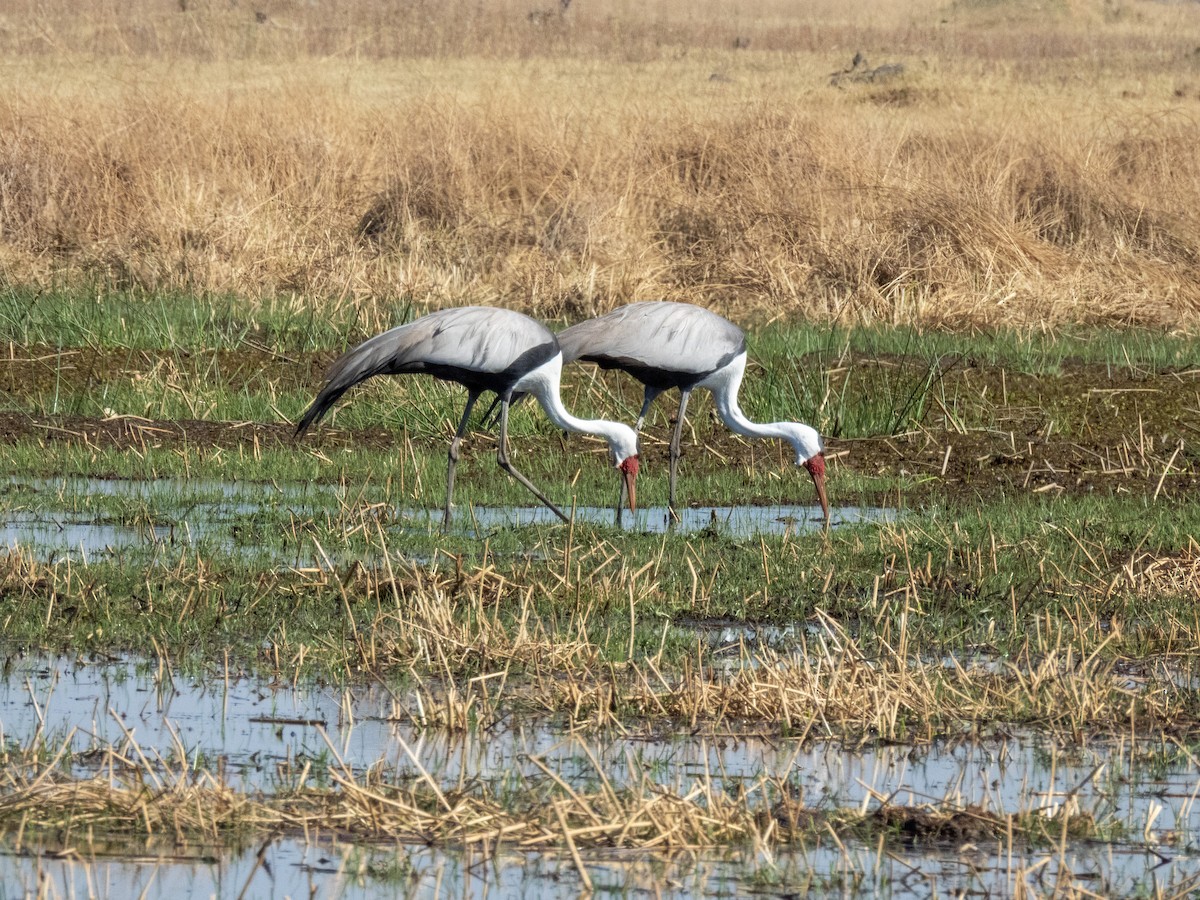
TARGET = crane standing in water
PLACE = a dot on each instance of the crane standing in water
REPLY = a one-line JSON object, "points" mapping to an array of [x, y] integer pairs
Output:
{"points": [[677, 345], [483, 349]]}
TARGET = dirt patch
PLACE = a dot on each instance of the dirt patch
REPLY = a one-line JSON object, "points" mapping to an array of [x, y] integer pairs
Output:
{"points": [[793, 817], [32, 371], [135, 432], [1082, 430], [912, 824], [980, 464]]}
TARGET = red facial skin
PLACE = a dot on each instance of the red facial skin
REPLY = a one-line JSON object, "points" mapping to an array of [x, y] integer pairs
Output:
{"points": [[629, 469], [816, 468]]}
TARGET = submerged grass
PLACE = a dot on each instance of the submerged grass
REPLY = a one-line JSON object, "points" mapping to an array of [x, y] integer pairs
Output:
{"points": [[140, 797], [605, 625]]}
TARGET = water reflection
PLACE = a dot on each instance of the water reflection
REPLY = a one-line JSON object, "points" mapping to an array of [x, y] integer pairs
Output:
{"points": [[57, 518], [328, 868], [258, 735]]}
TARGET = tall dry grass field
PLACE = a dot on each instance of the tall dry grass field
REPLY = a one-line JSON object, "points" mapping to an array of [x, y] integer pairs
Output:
{"points": [[1033, 165]]}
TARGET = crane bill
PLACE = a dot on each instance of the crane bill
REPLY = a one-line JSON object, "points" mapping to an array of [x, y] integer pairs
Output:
{"points": [[629, 470], [822, 496], [816, 468]]}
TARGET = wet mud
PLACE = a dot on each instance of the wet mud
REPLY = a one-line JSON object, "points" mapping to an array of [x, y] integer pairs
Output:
{"points": [[988, 431]]}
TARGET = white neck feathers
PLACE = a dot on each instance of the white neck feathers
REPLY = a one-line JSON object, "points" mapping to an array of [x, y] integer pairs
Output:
{"points": [[724, 385], [543, 383]]}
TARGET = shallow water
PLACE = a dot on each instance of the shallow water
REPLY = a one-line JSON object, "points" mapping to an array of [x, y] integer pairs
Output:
{"points": [[258, 734], [62, 538], [736, 521], [245, 726], [330, 869], [56, 518]]}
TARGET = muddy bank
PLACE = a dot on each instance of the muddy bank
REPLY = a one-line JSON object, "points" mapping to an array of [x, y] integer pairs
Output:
{"points": [[966, 466], [984, 431]]}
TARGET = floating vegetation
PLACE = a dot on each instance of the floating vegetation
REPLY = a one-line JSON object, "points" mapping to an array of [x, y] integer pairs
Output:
{"points": [[326, 768]]}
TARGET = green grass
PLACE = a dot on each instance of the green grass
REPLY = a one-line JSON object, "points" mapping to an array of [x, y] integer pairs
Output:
{"points": [[135, 319], [864, 400], [978, 578], [1032, 352], [327, 570], [217, 359], [104, 318]]}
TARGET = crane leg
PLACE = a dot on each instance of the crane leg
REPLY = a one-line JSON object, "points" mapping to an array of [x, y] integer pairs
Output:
{"points": [[489, 417], [493, 412], [683, 402], [502, 459], [452, 456], [650, 394]]}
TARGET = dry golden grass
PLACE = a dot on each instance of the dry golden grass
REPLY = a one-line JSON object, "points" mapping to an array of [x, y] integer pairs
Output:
{"points": [[470, 665], [171, 805], [1030, 168]]}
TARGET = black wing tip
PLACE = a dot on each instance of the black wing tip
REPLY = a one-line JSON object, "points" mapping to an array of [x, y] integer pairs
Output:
{"points": [[314, 413], [303, 425]]}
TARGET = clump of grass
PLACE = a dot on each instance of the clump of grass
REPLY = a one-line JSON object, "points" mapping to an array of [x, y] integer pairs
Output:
{"points": [[142, 803], [140, 796], [597, 631]]}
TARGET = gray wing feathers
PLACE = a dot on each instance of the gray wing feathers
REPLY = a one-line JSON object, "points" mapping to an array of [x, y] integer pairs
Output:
{"points": [[482, 339], [478, 339], [589, 336], [674, 337]]}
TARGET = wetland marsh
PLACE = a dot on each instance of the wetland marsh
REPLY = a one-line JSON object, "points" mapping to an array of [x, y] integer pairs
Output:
{"points": [[238, 664], [979, 675], [125, 721]]}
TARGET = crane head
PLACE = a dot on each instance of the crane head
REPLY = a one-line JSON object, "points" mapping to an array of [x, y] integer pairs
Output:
{"points": [[810, 453], [623, 452]]}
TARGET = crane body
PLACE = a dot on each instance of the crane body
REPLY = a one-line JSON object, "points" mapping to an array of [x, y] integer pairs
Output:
{"points": [[667, 345], [483, 349]]}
